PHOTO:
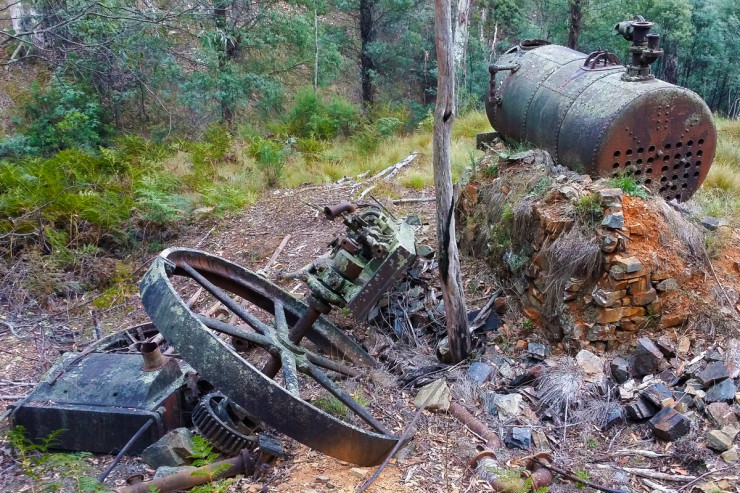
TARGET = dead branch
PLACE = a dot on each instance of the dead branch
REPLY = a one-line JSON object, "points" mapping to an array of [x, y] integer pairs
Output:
{"points": [[415, 200], [398, 445], [265, 270], [573, 477], [658, 487], [643, 453], [650, 474]]}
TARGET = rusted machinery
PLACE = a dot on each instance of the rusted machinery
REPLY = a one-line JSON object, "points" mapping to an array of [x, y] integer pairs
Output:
{"points": [[98, 399], [260, 373], [265, 369], [599, 117]]}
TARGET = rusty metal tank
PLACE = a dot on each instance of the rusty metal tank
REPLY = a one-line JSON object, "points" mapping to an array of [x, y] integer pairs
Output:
{"points": [[599, 117]]}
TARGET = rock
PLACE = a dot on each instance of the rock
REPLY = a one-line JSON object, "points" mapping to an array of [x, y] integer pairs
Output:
{"points": [[659, 395], [712, 223], [668, 377], [163, 471], [612, 315], [628, 265], [615, 220], [721, 414], [611, 196], [683, 403], [684, 344], [606, 298], [665, 346], [601, 333], [359, 472], [647, 358], [712, 373], [589, 362], [674, 318], [444, 354], [609, 244], [644, 298], [538, 351], [621, 477], [627, 390], [480, 372], [721, 440], [666, 285], [721, 392], [615, 417], [323, 479], [620, 370], [506, 371], [438, 394], [508, 406], [519, 437], [732, 358], [729, 455], [174, 449], [669, 425], [641, 409], [499, 305]]}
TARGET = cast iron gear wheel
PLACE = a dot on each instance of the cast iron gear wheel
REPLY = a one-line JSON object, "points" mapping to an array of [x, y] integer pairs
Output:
{"points": [[224, 424]]}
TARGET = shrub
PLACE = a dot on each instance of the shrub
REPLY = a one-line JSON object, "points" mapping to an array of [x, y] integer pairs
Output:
{"points": [[629, 186], [270, 158], [311, 117], [59, 116]]}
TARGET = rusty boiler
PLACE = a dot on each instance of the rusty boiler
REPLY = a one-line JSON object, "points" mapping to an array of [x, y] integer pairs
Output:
{"points": [[599, 117]]}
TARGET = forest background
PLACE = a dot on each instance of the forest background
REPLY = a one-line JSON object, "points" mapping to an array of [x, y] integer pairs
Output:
{"points": [[123, 118]]}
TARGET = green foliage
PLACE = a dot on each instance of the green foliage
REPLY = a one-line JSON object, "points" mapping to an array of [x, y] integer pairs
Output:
{"points": [[62, 115], [581, 474], [331, 405], [203, 455], [589, 209], [270, 158], [32, 455], [311, 117], [629, 186]]}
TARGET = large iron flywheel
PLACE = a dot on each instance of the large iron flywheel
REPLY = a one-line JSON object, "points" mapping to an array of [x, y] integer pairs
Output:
{"points": [[266, 318]]}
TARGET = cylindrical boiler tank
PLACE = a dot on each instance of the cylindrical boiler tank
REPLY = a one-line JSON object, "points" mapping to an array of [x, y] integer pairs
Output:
{"points": [[594, 117]]}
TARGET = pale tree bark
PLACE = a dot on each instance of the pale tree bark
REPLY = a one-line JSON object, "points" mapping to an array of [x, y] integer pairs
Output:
{"points": [[460, 41], [449, 260]]}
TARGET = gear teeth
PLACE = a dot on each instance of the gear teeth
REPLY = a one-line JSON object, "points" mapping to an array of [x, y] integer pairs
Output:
{"points": [[220, 434]]}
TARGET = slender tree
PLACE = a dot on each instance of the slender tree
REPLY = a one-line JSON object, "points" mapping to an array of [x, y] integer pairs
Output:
{"points": [[449, 259]]}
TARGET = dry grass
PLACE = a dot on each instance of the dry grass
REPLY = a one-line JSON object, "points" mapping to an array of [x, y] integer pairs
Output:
{"points": [[341, 158], [719, 196], [559, 387], [686, 232], [571, 255]]}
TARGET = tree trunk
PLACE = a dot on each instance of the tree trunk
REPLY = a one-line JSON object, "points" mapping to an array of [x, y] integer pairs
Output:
{"points": [[449, 261], [367, 66], [575, 10], [316, 48], [226, 53], [460, 43]]}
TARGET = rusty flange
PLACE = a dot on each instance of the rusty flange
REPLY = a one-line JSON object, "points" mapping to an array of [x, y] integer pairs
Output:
{"points": [[278, 406]]}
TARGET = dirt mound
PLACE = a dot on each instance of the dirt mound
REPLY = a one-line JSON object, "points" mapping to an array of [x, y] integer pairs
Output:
{"points": [[590, 263]]}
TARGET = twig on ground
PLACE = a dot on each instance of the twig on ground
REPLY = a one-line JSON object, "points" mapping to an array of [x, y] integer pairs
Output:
{"points": [[266, 269], [699, 478], [658, 487], [205, 237], [412, 200], [365, 192], [650, 474], [573, 477], [398, 445], [643, 453]]}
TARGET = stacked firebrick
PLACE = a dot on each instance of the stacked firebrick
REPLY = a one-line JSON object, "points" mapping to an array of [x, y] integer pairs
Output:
{"points": [[629, 294]]}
